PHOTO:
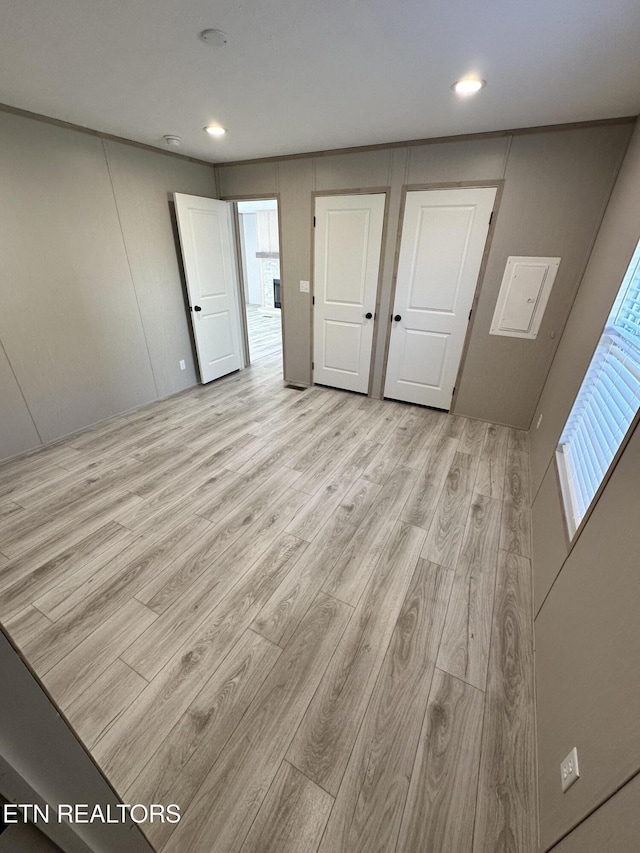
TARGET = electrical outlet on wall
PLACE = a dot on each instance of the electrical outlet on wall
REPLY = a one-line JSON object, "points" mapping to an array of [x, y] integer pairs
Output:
{"points": [[183, 364], [569, 771]]}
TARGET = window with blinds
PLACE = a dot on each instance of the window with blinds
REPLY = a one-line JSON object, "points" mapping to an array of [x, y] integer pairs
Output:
{"points": [[606, 404]]}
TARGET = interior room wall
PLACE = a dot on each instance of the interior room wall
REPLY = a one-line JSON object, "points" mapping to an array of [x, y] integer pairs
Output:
{"points": [[143, 185], [588, 598], [93, 320], [17, 429], [556, 186], [613, 827], [42, 762]]}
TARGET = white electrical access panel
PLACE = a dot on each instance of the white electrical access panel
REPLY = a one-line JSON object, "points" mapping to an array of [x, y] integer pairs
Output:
{"points": [[524, 292]]}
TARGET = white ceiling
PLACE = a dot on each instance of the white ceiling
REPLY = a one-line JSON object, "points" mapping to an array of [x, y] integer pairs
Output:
{"points": [[306, 75]]}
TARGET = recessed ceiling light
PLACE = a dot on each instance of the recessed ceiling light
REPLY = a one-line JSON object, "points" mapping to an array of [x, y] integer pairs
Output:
{"points": [[215, 130], [468, 86], [215, 38]]}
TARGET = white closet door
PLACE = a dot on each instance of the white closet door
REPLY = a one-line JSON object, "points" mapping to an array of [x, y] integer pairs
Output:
{"points": [[443, 238], [348, 245], [204, 225]]}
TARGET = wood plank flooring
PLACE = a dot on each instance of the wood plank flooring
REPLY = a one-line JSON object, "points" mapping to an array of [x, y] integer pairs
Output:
{"points": [[265, 333], [304, 616]]}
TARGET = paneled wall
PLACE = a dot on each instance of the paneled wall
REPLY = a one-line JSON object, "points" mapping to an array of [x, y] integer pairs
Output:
{"points": [[587, 600], [556, 186], [93, 322], [614, 827], [92, 316]]}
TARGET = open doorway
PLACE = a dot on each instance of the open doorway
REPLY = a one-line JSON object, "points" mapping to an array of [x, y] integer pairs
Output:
{"points": [[260, 255]]}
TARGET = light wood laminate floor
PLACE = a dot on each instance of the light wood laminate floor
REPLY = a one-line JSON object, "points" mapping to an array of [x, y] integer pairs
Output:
{"points": [[265, 333], [303, 616]]}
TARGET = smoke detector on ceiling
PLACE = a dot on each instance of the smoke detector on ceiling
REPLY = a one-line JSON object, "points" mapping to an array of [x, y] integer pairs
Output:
{"points": [[172, 141], [216, 38]]}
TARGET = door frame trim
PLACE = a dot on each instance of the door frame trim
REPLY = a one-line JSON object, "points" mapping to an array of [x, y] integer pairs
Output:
{"points": [[237, 245], [386, 191], [498, 183], [234, 199]]}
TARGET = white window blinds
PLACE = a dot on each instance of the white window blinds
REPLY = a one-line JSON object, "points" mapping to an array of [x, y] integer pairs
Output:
{"points": [[606, 403]]}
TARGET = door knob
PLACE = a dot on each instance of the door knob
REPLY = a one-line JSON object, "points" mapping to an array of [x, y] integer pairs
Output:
{"points": [[397, 318], [368, 315], [197, 308]]}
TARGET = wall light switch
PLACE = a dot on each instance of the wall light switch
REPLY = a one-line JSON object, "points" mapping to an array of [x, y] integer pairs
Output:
{"points": [[304, 287], [183, 365], [569, 771]]}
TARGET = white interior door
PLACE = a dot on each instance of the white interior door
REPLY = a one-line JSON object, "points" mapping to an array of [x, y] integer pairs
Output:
{"points": [[205, 229], [348, 244], [443, 238]]}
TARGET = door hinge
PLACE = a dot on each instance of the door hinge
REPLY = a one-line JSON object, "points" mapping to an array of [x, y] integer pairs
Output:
{"points": [[470, 313], [454, 391], [313, 365], [491, 218], [313, 300], [314, 222]]}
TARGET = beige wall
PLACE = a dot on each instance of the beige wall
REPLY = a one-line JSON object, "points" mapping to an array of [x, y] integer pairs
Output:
{"points": [[614, 827], [92, 320], [43, 762], [588, 599], [557, 184]]}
